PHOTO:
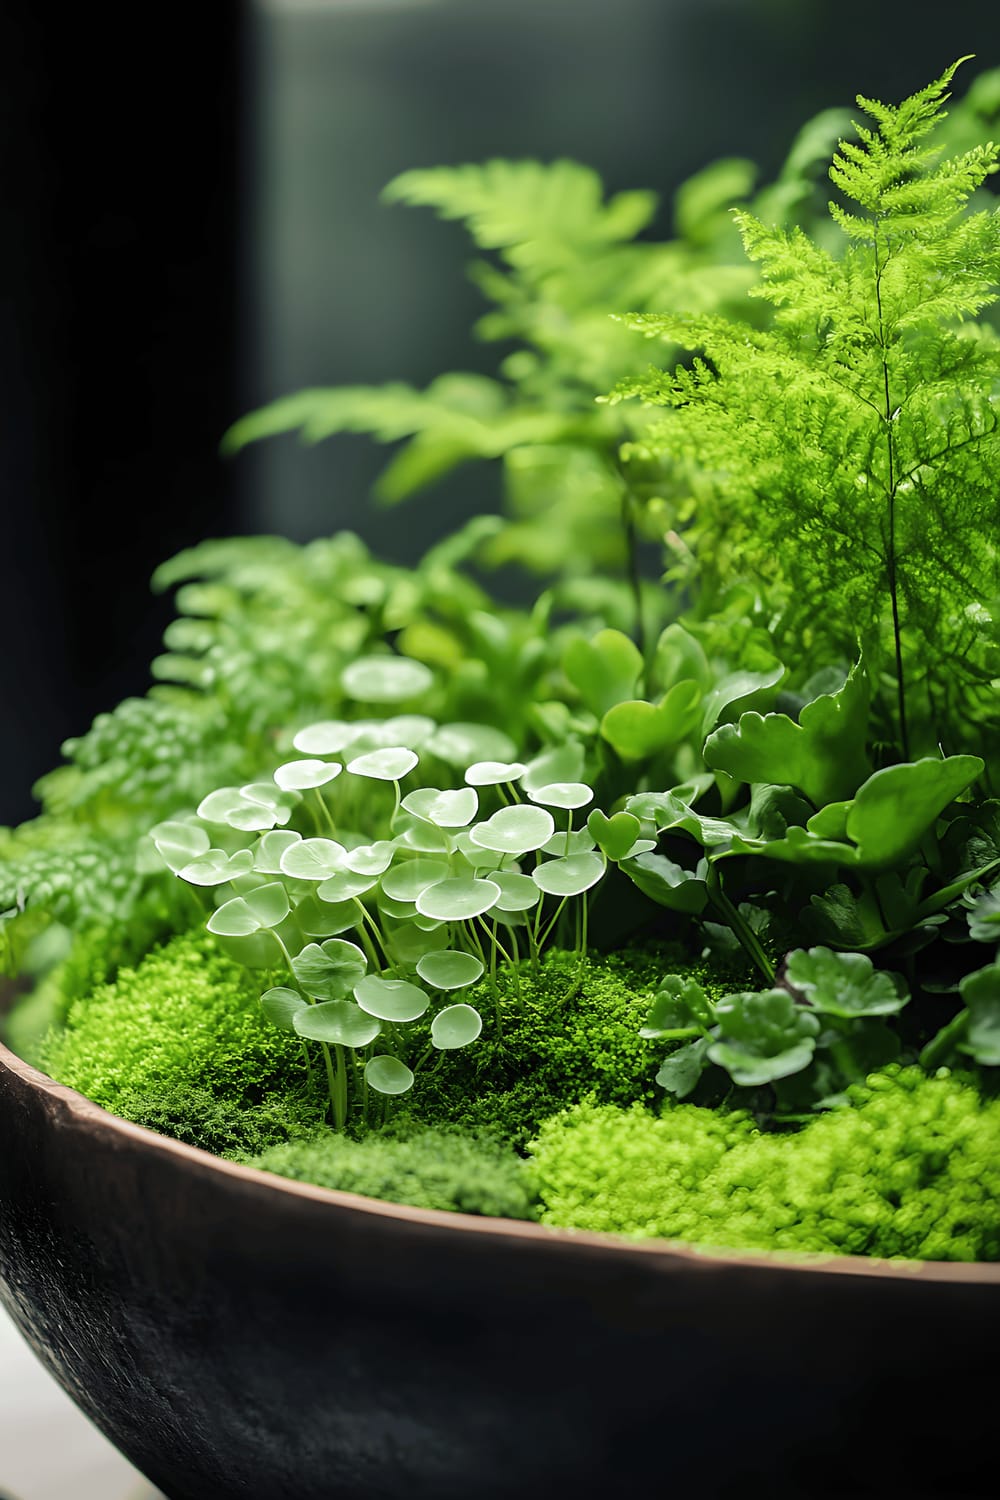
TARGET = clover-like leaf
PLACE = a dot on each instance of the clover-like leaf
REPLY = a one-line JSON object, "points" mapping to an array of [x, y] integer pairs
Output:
{"points": [[385, 679], [614, 835], [306, 775], [443, 809], [313, 859], [845, 984], [679, 1073], [455, 1026], [570, 875], [387, 1075], [679, 1003], [764, 1036], [984, 917], [514, 830], [219, 805], [391, 999], [494, 772], [446, 969], [565, 794], [390, 764], [338, 1023], [604, 670], [215, 867], [824, 754], [458, 900], [329, 970], [179, 843], [281, 1006]]}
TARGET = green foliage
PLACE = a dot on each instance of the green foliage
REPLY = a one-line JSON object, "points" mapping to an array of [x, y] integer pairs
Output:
{"points": [[848, 451], [199, 1117], [569, 1032], [908, 1168], [436, 1169], [184, 1018]]}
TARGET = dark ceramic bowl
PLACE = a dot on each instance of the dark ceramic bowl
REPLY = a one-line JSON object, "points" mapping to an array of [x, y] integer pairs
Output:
{"points": [[241, 1337]]}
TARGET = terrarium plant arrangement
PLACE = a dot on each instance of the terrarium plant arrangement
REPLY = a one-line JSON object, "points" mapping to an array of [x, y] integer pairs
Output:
{"points": [[669, 905]]}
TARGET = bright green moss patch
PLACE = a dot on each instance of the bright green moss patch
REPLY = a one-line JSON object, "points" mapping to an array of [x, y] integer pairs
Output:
{"points": [[571, 1033], [426, 1168], [911, 1168], [178, 1043]]}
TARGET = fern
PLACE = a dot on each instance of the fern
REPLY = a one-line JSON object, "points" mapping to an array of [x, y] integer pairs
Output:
{"points": [[849, 451]]}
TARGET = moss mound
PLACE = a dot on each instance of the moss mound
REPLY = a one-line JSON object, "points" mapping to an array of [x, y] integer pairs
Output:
{"points": [[425, 1168], [910, 1168], [569, 1034], [178, 1044]]}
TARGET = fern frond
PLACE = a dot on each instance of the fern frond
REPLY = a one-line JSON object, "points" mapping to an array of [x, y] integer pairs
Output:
{"points": [[538, 215]]}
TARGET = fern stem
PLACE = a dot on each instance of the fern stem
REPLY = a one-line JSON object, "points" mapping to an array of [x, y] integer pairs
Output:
{"points": [[887, 417], [633, 572]]}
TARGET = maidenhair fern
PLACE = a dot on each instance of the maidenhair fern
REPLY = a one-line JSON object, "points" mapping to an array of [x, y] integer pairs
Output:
{"points": [[849, 452]]}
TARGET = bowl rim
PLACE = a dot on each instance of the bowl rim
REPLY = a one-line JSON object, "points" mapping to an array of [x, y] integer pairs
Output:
{"points": [[67, 1105]]}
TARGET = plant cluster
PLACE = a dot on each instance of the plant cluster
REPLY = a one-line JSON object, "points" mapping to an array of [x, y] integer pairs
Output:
{"points": [[419, 822]]}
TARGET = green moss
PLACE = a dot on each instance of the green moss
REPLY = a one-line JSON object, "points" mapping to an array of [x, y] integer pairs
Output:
{"points": [[571, 1033], [426, 1168], [178, 1043], [910, 1168]]}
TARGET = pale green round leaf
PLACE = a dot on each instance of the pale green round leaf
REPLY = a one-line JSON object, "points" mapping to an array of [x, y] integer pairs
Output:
{"points": [[338, 1023], [560, 763], [494, 772], [458, 900], [514, 830], [445, 969], [460, 745], [345, 885], [411, 730], [390, 764], [443, 809], [270, 847], [406, 880], [179, 843], [215, 867], [329, 970], [391, 999], [269, 904], [217, 806], [570, 876], [321, 919], [564, 794], [281, 1005], [578, 841], [370, 859], [455, 1026], [517, 892], [328, 737], [254, 817], [387, 1075], [304, 775], [233, 919], [385, 679], [313, 859]]}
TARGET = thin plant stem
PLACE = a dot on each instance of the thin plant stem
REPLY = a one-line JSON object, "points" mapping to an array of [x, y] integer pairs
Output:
{"points": [[887, 418]]}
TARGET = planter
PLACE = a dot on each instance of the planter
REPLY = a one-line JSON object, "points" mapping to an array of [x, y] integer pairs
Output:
{"points": [[242, 1337]]}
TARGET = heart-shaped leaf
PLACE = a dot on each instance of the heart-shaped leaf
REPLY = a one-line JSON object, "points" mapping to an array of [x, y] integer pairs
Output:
{"points": [[615, 835], [443, 809], [329, 970], [638, 730]]}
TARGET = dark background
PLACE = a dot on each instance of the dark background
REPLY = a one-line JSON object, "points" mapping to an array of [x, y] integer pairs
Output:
{"points": [[191, 226]]}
